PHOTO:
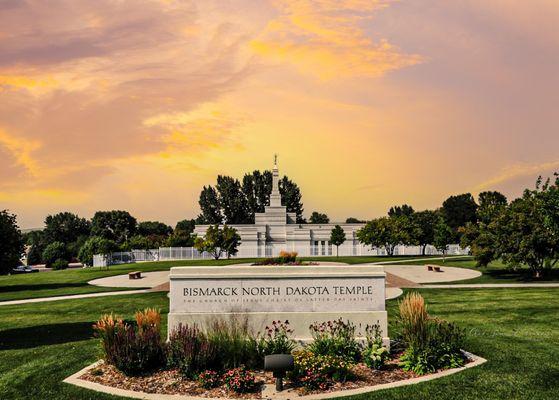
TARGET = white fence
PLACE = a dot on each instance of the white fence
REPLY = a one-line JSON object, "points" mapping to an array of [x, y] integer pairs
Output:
{"points": [[190, 253]]}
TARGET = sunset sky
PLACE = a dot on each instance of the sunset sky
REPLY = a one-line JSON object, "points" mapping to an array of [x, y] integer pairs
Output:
{"points": [[136, 105]]}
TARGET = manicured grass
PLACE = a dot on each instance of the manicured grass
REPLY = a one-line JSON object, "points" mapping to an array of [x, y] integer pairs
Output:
{"points": [[495, 272], [517, 330], [74, 281]]}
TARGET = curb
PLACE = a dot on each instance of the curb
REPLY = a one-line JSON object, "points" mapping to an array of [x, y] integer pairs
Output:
{"points": [[269, 392]]}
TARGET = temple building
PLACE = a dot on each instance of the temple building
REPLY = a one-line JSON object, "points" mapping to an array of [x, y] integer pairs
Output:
{"points": [[276, 229]]}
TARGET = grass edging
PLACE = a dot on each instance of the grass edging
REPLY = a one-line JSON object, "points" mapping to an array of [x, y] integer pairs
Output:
{"points": [[268, 390]]}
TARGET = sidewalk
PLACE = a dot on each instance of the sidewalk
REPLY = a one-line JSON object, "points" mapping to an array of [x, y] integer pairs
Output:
{"points": [[73, 296], [492, 285]]}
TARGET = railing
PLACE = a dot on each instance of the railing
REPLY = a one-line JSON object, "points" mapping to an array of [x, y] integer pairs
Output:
{"points": [[190, 253]]}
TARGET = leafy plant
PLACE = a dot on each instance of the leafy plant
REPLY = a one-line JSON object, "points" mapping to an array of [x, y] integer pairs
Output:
{"points": [[375, 354], [132, 348], [209, 379], [335, 338], [59, 264], [240, 380], [286, 257], [308, 364], [190, 351], [431, 343], [277, 338]]}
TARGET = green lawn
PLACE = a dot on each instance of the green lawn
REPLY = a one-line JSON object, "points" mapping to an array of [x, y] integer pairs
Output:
{"points": [[517, 330], [74, 281], [496, 272]]}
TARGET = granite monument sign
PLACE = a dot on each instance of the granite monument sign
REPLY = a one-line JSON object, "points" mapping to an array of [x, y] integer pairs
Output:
{"points": [[300, 294]]}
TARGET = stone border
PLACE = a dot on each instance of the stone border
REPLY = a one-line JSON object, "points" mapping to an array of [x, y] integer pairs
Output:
{"points": [[269, 391]]}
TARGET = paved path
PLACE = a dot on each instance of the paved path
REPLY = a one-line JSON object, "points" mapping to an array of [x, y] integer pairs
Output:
{"points": [[492, 285], [420, 274], [73, 296]]}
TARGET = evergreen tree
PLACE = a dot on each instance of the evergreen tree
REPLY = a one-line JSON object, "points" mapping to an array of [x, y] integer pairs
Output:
{"points": [[210, 206]]}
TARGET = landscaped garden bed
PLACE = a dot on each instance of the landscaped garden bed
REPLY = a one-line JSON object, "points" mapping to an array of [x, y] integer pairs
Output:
{"points": [[226, 360], [285, 258]]}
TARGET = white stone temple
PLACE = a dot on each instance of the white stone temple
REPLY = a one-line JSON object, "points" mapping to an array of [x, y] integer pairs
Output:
{"points": [[276, 229]]}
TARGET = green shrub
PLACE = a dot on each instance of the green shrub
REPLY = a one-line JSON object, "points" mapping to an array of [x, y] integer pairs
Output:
{"points": [[95, 245], [60, 264], [209, 379], [328, 367], [277, 339], [132, 348], [240, 380], [375, 354], [431, 343], [35, 255], [190, 351], [53, 252], [335, 338]]}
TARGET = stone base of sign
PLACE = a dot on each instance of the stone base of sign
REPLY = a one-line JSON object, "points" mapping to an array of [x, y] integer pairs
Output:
{"points": [[268, 391], [300, 321], [259, 295]]}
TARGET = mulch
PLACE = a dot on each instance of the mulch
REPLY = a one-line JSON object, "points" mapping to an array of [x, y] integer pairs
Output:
{"points": [[172, 382]]}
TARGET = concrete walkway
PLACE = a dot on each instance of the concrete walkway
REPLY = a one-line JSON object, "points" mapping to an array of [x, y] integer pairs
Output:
{"points": [[492, 285], [72, 296], [420, 274]]}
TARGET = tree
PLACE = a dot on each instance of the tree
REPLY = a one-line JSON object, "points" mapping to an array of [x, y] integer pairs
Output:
{"points": [[36, 241], [481, 240], [318, 218], [210, 206], [233, 203], [291, 198], [113, 225], [11, 242], [443, 236], [186, 226], [491, 203], [459, 210], [96, 245], [352, 220], [55, 251], [180, 238], [147, 228], [240, 202], [218, 241], [399, 211], [337, 237], [527, 230], [387, 233], [425, 222], [65, 227]]}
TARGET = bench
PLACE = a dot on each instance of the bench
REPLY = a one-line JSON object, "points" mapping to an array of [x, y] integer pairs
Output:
{"points": [[437, 269], [134, 275], [429, 268]]}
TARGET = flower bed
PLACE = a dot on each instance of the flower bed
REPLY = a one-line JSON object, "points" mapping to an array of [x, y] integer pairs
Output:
{"points": [[225, 359], [284, 258]]}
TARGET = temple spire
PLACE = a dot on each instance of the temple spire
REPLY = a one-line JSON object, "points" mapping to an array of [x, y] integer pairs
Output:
{"points": [[275, 197]]}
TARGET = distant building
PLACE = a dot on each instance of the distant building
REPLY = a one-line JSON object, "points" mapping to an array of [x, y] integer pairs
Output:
{"points": [[276, 229]]}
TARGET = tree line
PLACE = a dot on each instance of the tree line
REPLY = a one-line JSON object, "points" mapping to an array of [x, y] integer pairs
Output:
{"points": [[67, 237], [524, 232]]}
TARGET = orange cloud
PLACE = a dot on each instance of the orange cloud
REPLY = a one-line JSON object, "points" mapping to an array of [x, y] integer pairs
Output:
{"points": [[326, 39], [22, 151]]}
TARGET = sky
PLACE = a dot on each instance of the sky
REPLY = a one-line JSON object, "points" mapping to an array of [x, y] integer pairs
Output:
{"points": [[135, 105]]}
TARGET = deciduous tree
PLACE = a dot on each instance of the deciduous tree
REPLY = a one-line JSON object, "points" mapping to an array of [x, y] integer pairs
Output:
{"points": [[337, 237], [425, 222], [11, 242], [318, 218], [218, 241], [113, 225], [387, 233]]}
